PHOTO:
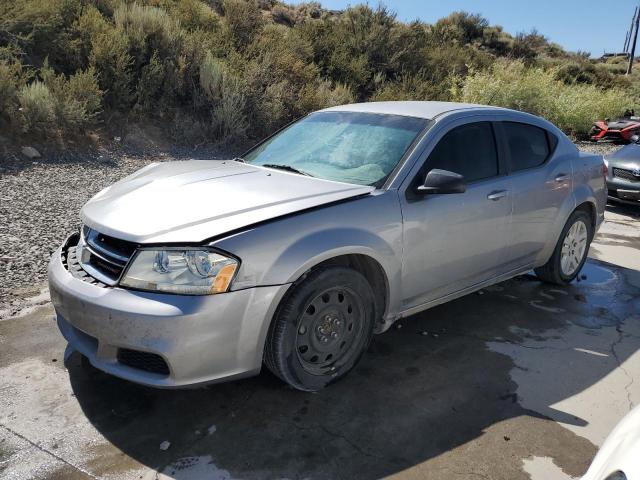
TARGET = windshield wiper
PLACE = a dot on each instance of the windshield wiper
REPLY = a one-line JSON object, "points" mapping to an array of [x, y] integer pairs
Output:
{"points": [[287, 168], [239, 159]]}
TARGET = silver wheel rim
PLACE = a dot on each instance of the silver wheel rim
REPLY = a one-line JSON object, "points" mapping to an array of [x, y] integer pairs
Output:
{"points": [[574, 247]]}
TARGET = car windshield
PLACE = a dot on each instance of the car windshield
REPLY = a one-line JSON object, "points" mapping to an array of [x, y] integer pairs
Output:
{"points": [[351, 147]]}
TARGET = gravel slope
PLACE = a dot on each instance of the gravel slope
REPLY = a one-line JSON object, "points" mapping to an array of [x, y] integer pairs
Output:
{"points": [[39, 206]]}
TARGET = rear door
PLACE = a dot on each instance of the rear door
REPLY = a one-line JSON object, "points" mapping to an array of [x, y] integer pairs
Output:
{"points": [[453, 241], [540, 184]]}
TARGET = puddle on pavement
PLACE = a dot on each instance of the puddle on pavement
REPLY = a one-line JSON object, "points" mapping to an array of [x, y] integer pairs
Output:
{"points": [[191, 468], [595, 274]]}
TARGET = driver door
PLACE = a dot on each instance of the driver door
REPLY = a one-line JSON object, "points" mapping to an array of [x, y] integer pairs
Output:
{"points": [[454, 241]]}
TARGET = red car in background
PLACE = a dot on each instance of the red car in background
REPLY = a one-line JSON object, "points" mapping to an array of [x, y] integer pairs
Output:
{"points": [[620, 130]]}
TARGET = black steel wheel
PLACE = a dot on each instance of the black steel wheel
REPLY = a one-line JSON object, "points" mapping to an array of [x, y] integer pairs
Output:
{"points": [[328, 329], [321, 329]]}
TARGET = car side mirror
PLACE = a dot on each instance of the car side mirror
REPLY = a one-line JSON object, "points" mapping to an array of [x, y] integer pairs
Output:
{"points": [[634, 138], [442, 181]]}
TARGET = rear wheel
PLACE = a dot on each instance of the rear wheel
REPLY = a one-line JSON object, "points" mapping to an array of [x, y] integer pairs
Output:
{"points": [[570, 252], [321, 329]]}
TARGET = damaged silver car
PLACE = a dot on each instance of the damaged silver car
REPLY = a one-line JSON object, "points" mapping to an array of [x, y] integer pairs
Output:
{"points": [[324, 234]]}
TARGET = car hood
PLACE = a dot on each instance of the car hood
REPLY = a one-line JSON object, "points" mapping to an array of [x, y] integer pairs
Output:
{"points": [[191, 201], [626, 157]]}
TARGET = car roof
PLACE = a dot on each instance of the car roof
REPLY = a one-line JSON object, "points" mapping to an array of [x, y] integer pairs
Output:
{"points": [[426, 110]]}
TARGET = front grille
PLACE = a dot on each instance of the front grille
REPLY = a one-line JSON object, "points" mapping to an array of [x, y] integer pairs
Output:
{"points": [[71, 263], [149, 362], [625, 175], [103, 257]]}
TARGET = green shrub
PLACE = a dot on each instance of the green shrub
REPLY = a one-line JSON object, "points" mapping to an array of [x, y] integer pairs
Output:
{"points": [[37, 108], [572, 108], [242, 21], [227, 100], [194, 14], [283, 15], [151, 82], [322, 95], [10, 81], [148, 29], [43, 29], [407, 87], [577, 106], [60, 105], [211, 65], [459, 28], [82, 95], [111, 60]]}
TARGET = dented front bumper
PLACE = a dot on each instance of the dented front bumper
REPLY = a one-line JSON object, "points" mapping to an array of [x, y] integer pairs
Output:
{"points": [[200, 339]]}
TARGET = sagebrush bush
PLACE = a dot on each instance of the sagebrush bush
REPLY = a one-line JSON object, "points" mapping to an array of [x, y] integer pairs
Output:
{"points": [[10, 78], [37, 108], [227, 100], [195, 14], [150, 85], [242, 21], [111, 60], [226, 69], [58, 104], [148, 29], [572, 107]]}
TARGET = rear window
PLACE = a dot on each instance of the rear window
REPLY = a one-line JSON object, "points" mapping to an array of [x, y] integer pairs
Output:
{"points": [[528, 145]]}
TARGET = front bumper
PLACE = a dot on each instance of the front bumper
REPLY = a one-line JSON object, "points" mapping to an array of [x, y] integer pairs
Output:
{"points": [[202, 339], [623, 191]]}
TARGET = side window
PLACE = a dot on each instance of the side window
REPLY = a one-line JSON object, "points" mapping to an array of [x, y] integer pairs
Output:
{"points": [[528, 145], [469, 150]]}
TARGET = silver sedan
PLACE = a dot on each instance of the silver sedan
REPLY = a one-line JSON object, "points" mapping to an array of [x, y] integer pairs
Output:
{"points": [[322, 235]]}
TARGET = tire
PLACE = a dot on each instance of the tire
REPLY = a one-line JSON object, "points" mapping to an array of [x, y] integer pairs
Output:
{"points": [[321, 328], [555, 271]]}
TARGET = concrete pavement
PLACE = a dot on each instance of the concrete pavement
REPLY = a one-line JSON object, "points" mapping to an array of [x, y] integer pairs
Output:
{"points": [[522, 380]]}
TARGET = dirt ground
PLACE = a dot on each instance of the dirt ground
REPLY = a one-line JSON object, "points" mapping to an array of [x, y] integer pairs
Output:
{"points": [[521, 380]]}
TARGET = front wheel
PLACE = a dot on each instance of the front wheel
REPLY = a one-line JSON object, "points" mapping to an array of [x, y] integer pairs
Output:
{"points": [[321, 329], [570, 252]]}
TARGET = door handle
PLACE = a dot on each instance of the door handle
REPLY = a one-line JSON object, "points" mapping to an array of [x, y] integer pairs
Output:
{"points": [[561, 177], [497, 195]]}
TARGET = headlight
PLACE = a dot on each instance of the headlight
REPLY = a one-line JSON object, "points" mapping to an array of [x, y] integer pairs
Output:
{"points": [[182, 271]]}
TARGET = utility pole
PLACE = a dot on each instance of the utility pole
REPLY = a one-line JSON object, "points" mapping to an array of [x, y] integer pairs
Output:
{"points": [[626, 42], [636, 21], [630, 32]]}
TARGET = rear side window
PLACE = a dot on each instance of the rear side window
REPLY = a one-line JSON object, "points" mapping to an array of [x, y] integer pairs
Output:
{"points": [[469, 150], [528, 145]]}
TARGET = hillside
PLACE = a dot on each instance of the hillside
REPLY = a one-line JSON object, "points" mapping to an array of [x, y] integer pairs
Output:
{"points": [[227, 70]]}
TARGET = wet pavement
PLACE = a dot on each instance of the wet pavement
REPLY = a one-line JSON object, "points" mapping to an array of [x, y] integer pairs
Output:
{"points": [[521, 380]]}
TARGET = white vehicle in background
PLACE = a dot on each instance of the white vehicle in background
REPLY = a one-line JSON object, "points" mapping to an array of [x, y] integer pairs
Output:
{"points": [[619, 456]]}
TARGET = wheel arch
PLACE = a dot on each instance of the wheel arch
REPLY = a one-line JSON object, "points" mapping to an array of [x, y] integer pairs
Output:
{"points": [[587, 204], [372, 271], [590, 208]]}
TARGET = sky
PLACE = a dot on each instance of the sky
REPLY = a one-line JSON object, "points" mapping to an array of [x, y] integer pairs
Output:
{"points": [[587, 25]]}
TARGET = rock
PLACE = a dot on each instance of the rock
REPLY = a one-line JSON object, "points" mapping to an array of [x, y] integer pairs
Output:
{"points": [[165, 445], [211, 429], [30, 152]]}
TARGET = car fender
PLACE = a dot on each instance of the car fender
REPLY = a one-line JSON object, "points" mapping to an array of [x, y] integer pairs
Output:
{"points": [[281, 251], [581, 194], [565, 210]]}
